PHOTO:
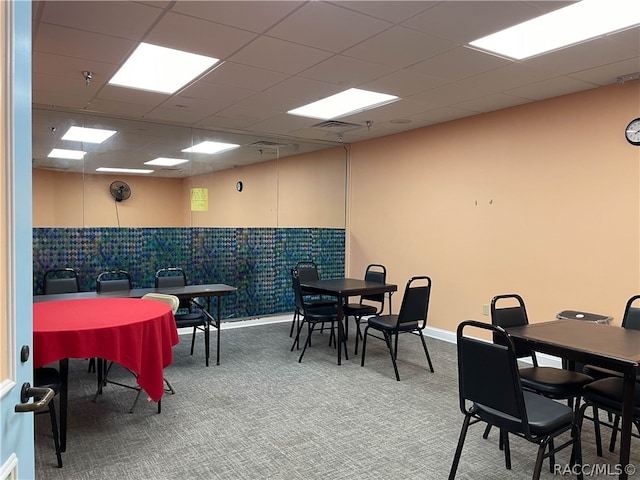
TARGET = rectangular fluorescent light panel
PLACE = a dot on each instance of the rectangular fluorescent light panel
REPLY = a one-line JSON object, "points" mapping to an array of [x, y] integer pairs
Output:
{"points": [[68, 154], [344, 103], [210, 147], [87, 135], [166, 162], [561, 28], [123, 170], [160, 69]]}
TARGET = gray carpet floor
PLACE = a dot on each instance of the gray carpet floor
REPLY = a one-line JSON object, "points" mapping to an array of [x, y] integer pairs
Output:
{"points": [[262, 415]]}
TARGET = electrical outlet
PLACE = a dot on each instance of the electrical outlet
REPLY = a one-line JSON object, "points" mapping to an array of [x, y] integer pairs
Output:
{"points": [[485, 310]]}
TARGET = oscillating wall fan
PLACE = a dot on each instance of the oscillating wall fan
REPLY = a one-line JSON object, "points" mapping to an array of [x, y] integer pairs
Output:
{"points": [[120, 191]]}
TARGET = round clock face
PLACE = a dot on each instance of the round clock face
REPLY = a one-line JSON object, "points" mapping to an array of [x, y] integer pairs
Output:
{"points": [[632, 132], [239, 186]]}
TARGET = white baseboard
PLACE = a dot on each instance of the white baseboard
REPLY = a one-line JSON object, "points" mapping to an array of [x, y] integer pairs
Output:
{"points": [[544, 360]]}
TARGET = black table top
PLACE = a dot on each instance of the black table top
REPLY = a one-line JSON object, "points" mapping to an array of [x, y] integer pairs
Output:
{"points": [[610, 346], [346, 287], [189, 291]]}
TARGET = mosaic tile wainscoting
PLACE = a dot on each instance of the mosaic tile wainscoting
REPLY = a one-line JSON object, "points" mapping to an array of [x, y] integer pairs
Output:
{"points": [[255, 260]]}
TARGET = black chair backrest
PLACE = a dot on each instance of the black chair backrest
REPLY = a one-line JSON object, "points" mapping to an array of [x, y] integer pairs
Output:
{"points": [[631, 318], [488, 373], [297, 291], [415, 302], [113, 281], [375, 273], [60, 280], [173, 277], [307, 271], [511, 316]]}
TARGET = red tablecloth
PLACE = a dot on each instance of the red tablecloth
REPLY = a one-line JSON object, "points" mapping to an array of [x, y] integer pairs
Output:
{"points": [[138, 334]]}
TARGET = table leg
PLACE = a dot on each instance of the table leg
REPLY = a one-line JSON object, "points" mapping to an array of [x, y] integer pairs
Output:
{"points": [[340, 330], [64, 390], [218, 300], [627, 416]]}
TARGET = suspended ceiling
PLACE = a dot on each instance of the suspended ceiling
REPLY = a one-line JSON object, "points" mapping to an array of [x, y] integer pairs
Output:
{"points": [[280, 55]]}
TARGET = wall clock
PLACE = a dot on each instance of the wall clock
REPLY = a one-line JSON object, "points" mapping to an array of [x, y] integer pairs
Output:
{"points": [[239, 186], [632, 132]]}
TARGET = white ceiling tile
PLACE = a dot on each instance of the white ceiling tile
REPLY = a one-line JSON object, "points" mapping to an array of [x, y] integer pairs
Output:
{"points": [[608, 74], [399, 47], [458, 63], [488, 102], [464, 21], [198, 36], [248, 15], [278, 55], [80, 44], [281, 124], [176, 115], [327, 27], [131, 95], [244, 76], [600, 51], [71, 68], [222, 94], [345, 71], [403, 83], [298, 91], [118, 109], [131, 20], [554, 87], [393, 12]]}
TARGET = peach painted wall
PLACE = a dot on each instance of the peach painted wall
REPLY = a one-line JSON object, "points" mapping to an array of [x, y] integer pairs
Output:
{"points": [[76, 200], [541, 200], [301, 191]]}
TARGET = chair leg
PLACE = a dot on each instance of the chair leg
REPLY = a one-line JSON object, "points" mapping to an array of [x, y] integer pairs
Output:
{"points": [[296, 341], [504, 439], [364, 345], [358, 334], [596, 428], [487, 429], [426, 351], [135, 402], [207, 343], [308, 341], [193, 339], [295, 322], [103, 382], [614, 433], [169, 387], [538, 466], [388, 340], [54, 431], [463, 435]]}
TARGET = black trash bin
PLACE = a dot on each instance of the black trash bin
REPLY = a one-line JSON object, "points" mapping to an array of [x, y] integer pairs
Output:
{"points": [[587, 317]]}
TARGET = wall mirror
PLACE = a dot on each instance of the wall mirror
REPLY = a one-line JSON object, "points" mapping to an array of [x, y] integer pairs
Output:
{"points": [[79, 184]]}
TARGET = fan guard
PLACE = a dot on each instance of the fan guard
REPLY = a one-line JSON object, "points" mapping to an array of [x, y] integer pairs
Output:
{"points": [[120, 190]]}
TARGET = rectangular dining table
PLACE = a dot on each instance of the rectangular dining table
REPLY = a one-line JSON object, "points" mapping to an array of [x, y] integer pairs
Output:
{"points": [[342, 289], [137, 334], [607, 346], [207, 291]]}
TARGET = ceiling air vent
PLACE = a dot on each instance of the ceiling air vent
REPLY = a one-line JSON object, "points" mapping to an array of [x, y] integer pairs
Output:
{"points": [[336, 125], [267, 144]]}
